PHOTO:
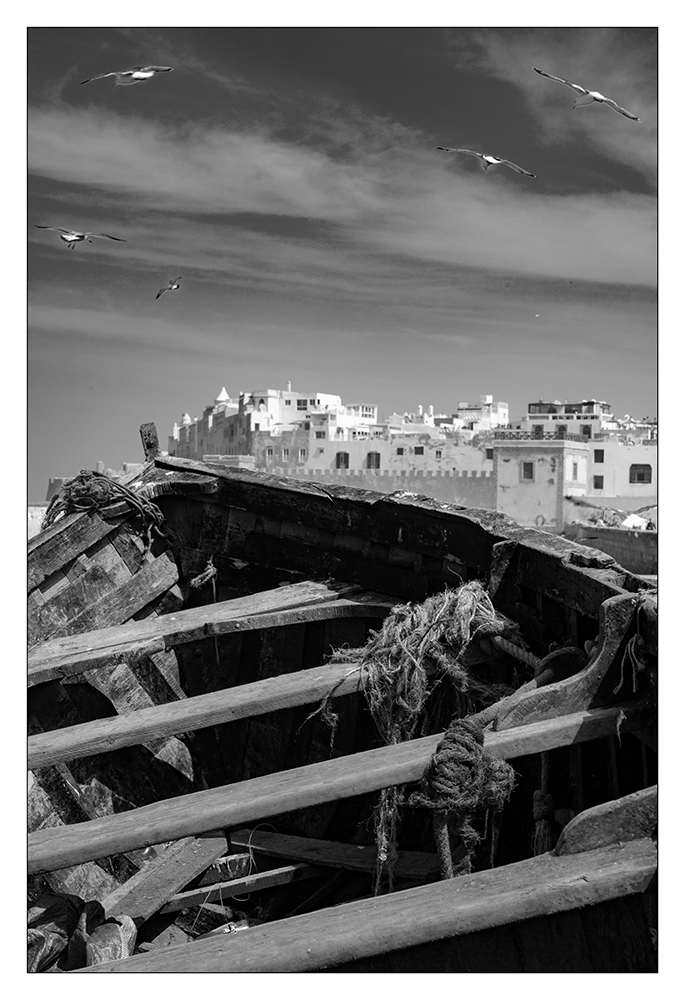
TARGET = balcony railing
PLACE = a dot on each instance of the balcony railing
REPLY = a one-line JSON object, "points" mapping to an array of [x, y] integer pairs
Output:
{"points": [[531, 436]]}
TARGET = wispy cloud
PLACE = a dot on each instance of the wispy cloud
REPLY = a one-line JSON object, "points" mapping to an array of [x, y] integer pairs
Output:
{"points": [[406, 201]]}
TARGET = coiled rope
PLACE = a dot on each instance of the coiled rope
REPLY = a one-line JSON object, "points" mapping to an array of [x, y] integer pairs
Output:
{"points": [[92, 492]]}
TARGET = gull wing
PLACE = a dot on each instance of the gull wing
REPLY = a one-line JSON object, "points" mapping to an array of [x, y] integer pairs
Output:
{"points": [[100, 76], [567, 83], [55, 229], [622, 111], [515, 166], [177, 279], [451, 149], [156, 69], [161, 291], [106, 236]]}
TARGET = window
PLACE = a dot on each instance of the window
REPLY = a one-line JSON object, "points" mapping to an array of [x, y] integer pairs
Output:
{"points": [[418, 450], [574, 470], [368, 411], [640, 474], [312, 402], [321, 434], [256, 427], [303, 454], [586, 430], [400, 451], [527, 472], [598, 482], [302, 404], [286, 453], [269, 453], [561, 431], [489, 452], [538, 430], [307, 425], [599, 454], [342, 460], [288, 402], [373, 460], [438, 454], [320, 451]]}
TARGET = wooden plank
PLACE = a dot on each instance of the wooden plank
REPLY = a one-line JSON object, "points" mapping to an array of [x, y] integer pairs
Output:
{"points": [[351, 857], [62, 542], [536, 887], [150, 441], [160, 878], [102, 735], [239, 886], [631, 817], [152, 580], [74, 654], [232, 806]]}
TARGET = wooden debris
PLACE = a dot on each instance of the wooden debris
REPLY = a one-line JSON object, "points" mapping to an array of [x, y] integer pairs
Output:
{"points": [[164, 875], [240, 886]]}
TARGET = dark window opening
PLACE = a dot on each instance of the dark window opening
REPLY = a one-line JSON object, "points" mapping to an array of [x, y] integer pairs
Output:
{"points": [[640, 474], [598, 482], [418, 450], [528, 471], [599, 454], [342, 460], [489, 453], [373, 460]]}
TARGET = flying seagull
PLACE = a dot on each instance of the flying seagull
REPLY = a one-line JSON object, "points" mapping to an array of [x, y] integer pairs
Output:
{"points": [[127, 77], [487, 161], [169, 287], [71, 237], [587, 97]]}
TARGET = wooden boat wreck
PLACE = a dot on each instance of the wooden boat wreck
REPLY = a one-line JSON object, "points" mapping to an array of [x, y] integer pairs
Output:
{"points": [[211, 790]]}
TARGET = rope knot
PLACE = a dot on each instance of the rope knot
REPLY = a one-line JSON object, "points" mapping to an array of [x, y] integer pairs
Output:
{"points": [[461, 777]]}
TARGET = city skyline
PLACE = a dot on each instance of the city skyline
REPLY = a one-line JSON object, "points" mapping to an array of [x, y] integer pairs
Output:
{"points": [[291, 177]]}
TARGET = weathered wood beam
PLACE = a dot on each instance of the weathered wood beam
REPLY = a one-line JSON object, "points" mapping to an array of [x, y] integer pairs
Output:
{"points": [[233, 806], [293, 604], [161, 877], [351, 857], [537, 887], [102, 735]]}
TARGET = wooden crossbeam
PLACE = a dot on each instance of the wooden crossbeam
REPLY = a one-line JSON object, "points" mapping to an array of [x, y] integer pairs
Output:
{"points": [[102, 735], [293, 604], [364, 928], [233, 806]]}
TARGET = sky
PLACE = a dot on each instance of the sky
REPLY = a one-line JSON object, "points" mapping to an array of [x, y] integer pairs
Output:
{"points": [[290, 176]]}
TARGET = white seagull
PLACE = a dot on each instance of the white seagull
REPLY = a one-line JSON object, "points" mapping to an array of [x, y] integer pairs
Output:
{"points": [[587, 97], [169, 287], [487, 161], [127, 77], [71, 237]]}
